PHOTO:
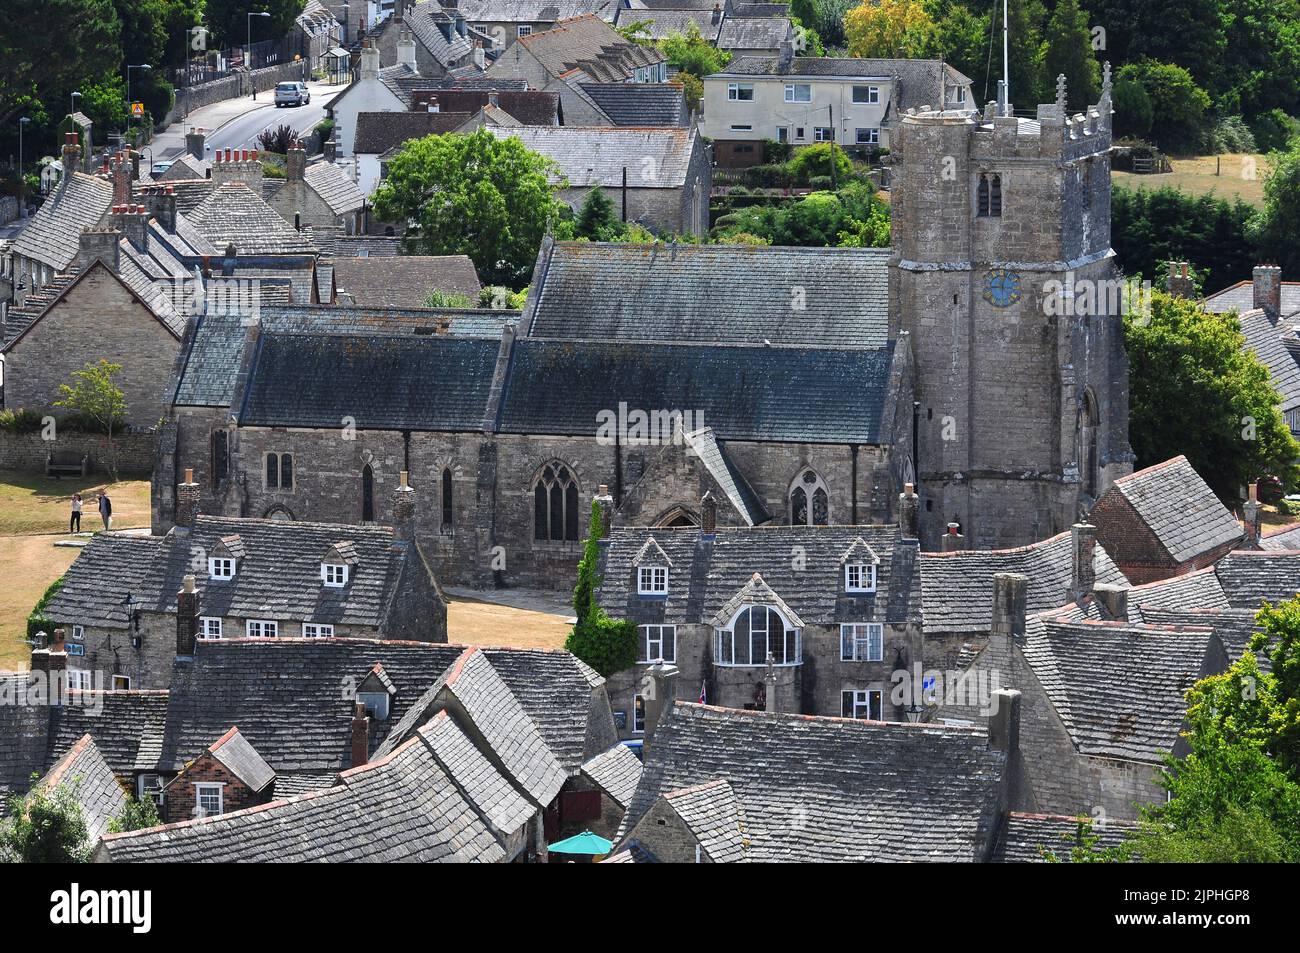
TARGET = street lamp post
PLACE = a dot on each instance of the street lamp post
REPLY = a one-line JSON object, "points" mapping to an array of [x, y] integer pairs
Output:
{"points": [[249, 57], [75, 97], [22, 181], [128, 89]]}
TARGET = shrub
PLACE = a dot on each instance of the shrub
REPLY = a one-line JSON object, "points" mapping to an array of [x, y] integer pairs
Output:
{"points": [[20, 421], [1231, 134], [776, 152], [821, 182], [816, 160], [443, 299], [278, 139], [1272, 129], [607, 645]]}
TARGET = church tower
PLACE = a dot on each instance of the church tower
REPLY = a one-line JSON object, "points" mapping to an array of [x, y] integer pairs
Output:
{"points": [[1003, 274]]}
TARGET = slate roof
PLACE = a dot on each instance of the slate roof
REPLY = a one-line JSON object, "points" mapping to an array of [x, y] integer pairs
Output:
{"points": [[405, 281], [24, 735], [431, 383], [616, 772], [706, 577], [921, 81], [588, 44], [502, 805], [1251, 578], [655, 157], [1241, 297], [378, 132], [1285, 537], [128, 728], [957, 587], [242, 760], [232, 213], [51, 236], [640, 104], [533, 11], [1233, 627], [97, 790], [800, 395], [1118, 689], [422, 20], [402, 808], [366, 246], [1030, 838], [1269, 342], [754, 33], [711, 293], [1179, 508], [664, 23], [714, 458], [335, 187], [278, 578], [712, 813], [833, 789], [1196, 590], [183, 167], [21, 317], [531, 107]]}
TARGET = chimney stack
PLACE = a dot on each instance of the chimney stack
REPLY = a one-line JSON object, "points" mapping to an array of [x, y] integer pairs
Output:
{"points": [[1250, 514], [132, 221], [99, 243], [71, 155], [1083, 573], [237, 165], [404, 509], [605, 504], [196, 142], [1113, 601], [187, 502], [187, 618], [51, 658], [295, 162], [161, 202], [369, 62], [1009, 601], [1268, 290], [121, 177], [1180, 283], [406, 50], [708, 514], [786, 56], [717, 15], [909, 508], [660, 697], [953, 539], [360, 736], [1004, 722]]}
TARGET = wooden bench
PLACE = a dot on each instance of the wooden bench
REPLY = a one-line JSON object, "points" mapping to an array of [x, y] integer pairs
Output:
{"points": [[60, 463]]}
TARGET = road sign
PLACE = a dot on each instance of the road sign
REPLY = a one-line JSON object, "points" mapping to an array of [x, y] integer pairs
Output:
{"points": [[137, 110]]}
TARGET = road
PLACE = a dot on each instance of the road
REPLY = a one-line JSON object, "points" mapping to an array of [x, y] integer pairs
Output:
{"points": [[236, 124]]}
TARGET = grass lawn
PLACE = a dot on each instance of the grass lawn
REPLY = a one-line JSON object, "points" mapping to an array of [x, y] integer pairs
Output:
{"points": [[32, 504], [470, 622], [28, 564], [1196, 176]]}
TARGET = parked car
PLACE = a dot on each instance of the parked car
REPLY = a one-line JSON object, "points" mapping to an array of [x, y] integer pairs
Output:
{"points": [[292, 94]]}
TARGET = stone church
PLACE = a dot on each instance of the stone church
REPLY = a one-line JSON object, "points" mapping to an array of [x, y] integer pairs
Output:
{"points": [[798, 386]]}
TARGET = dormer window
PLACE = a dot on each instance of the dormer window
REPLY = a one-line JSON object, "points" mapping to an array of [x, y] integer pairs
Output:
{"points": [[376, 704], [755, 632], [334, 575], [859, 577], [652, 581], [221, 568]]}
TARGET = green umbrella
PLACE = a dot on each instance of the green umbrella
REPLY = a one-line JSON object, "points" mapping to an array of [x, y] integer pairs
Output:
{"points": [[584, 843]]}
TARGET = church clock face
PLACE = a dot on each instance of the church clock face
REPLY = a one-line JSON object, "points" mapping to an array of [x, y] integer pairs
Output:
{"points": [[1001, 288]]}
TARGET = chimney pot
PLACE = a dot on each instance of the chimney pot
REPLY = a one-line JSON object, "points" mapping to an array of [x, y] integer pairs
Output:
{"points": [[1267, 291], [909, 512]]}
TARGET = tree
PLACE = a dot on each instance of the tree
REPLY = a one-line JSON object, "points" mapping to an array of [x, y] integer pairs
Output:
{"points": [[227, 19], [1133, 113], [46, 827], [1027, 53], [1178, 105], [961, 37], [822, 159], [1069, 52], [1276, 227], [476, 195], [136, 816], [1196, 390], [890, 28], [691, 53], [94, 394], [607, 645], [596, 219]]}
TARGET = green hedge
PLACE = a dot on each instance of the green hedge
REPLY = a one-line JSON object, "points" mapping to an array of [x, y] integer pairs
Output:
{"points": [[38, 621]]}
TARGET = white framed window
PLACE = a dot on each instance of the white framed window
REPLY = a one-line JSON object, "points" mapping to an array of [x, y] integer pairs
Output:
{"points": [[798, 93], [209, 627], [868, 703], [959, 95], [208, 799], [261, 628], [149, 786], [756, 631], [220, 567], [638, 715], [867, 137], [121, 683], [376, 704], [862, 641], [79, 633], [652, 580], [79, 679], [657, 643], [824, 134], [859, 577], [740, 92], [334, 575], [866, 95], [316, 630], [525, 31]]}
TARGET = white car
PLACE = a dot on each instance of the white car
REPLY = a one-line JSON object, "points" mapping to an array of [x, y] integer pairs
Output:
{"points": [[292, 94]]}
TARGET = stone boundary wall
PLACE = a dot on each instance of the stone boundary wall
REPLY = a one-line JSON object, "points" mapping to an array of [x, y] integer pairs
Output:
{"points": [[8, 209], [26, 452], [230, 87]]}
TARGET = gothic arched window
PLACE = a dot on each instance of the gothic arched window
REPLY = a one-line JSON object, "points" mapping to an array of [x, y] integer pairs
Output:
{"points": [[809, 500], [989, 195], [279, 472], [446, 496], [1088, 444], [555, 504], [367, 494]]}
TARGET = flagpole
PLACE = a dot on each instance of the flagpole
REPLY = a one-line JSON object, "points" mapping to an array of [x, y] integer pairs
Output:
{"points": [[1006, 65]]}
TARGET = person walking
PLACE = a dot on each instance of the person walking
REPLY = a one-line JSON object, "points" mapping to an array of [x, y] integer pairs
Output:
{"points": [[74, 524], [106, 512]]}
